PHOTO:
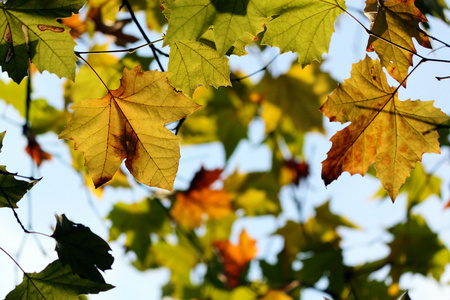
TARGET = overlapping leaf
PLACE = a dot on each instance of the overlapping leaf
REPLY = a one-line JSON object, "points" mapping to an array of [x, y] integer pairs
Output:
{"points": [[55, 282], [232, 19], [392, 133], [398, 22], [193, 63], [30, 32], [80, 248], [302, 26], [129, 123]]}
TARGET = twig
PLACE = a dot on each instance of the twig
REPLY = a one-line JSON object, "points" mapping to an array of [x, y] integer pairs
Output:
{"points": [[25, 273], [256, 72], [442, 78], [21, 176], [130, 50], [16, 215], [93, 70], [133, 16]]}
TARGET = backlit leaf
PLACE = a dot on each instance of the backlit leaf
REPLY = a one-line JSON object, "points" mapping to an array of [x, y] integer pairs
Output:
{"points": [[29, 31], [302, 26], [276, 295], [232, 19], [200, 200], [236, 257], [396, 21], [55, 282], [392, 133], [80, 248], [192, 63], [129, 123]]}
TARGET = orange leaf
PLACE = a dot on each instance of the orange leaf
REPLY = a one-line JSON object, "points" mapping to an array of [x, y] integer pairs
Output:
{"points": [[396, 21], [191, 207], [276, 295], [34, 149], [236, 257], [128, 123], [77, 27], [392, 133], [204, 178]]}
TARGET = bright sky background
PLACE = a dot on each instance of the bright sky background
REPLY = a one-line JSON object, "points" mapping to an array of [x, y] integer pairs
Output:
{"points": [[61, 191]]}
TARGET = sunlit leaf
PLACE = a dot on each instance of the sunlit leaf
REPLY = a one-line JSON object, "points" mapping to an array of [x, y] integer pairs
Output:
{"points": [[398, 22], [302, 26], [30, 33], [392, 133], [129, 123]]}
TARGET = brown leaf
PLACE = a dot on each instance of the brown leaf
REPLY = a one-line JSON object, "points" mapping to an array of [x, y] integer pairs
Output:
{"points": [[34, 149]]}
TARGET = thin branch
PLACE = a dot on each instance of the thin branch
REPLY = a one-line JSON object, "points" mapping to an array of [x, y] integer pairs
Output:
{"points": [[433, 38], [93, 70], [16, 215], [442, 78], [21, 176], [256, 72], [25, 273], [130, 50], [133, 16], [370, 32]]}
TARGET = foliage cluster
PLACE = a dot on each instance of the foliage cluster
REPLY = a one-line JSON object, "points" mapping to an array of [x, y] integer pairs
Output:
{"points": [[119, 112]]}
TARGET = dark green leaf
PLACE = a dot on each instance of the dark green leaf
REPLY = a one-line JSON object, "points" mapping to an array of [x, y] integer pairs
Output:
{"points": [[83, 250], [55, 282]]}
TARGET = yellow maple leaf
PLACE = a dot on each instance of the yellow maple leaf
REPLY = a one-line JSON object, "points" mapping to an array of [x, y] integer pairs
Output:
{"points": [[396, 21], [392, 133], [236, 257], [128, 123]]}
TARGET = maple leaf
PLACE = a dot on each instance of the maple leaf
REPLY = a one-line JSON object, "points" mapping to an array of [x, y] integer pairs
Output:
{"points": [[82, 249], [302, 26], [76, 25], [236, 257], [34, 149], [396, 21], [232, 20], [55, 282], [200, 200], [129, 123], [192, 63], [29, 31], [392, 133]]}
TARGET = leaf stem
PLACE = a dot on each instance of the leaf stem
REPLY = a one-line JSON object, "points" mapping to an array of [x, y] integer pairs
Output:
{"points": [[152, 47], [24, 273], [93, 70], [130, 50], [17, 216]]}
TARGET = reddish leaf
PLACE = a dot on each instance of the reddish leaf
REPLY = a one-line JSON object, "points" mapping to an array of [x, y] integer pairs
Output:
{"points": [[34, 149], [236, 257]]}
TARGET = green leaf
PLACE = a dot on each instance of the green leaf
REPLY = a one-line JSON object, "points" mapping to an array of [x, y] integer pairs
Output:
{"points": [[55, 282], [193, 63], [83, 250], [256, 193], [232, 20], [296, 95], [302, 26], [416, 248], [137, 221], [30, 32], [12, 189]]}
